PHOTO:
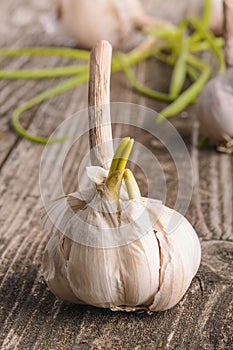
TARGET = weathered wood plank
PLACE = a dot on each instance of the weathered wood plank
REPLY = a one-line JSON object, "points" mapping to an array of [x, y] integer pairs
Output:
{"points": [[30, 316]]}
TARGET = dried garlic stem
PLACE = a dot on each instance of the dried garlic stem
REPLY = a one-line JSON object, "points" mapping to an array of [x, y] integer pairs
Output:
{"points": [[100, 134]]}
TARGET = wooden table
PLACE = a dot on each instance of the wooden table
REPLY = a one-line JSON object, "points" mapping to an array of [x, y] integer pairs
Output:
{"points": [[31, 317]]}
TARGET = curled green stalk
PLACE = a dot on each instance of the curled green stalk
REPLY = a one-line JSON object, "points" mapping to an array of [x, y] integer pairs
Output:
{"points": [[180, 69], [44, 73], [188, 96], [205, 20], [138, 86], [204, 45], [133, 57], [167, 33], [208, 36], [165, 58], [167, 51], [59, 89], [196, 37], [131, 185], [196, 62], [47, 51], [192, 73]]}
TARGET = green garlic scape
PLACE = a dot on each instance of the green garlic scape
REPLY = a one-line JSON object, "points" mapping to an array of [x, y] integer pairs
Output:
{"points": [[114, 250], [175, 46]]}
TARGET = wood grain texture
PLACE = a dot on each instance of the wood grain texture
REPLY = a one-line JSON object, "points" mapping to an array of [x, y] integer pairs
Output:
{"points": [[98, 103], [31, 318]]}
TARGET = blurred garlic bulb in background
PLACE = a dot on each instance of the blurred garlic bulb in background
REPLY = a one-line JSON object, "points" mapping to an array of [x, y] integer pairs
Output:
{"points": [[215, 103], [114, 20], [118, 21], [215, 108], [216, 21]]}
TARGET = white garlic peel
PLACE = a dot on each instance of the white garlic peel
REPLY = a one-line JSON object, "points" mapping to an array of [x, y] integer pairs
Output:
{"points": [[215, 108], [147, 268]]}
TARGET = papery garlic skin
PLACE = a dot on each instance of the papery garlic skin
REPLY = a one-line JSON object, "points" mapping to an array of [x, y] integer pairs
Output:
{"points": [[151, 273], [181, 259], [216, 21], [112, 20], [215, 108]]}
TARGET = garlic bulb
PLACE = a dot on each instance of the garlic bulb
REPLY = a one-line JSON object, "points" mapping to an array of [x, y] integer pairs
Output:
{"points": [[110, 247], [215, 108], [117, 21], [114, 251]]}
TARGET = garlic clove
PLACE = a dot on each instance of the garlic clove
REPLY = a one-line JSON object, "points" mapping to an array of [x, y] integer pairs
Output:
{"points": [[122, 275], [54, 269], [180, 254]]}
